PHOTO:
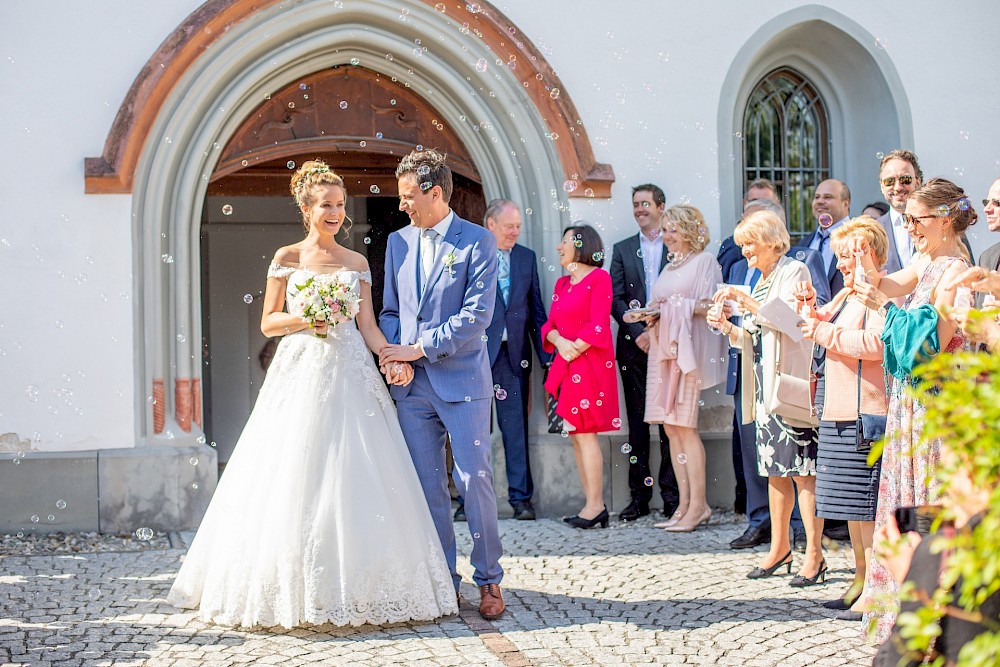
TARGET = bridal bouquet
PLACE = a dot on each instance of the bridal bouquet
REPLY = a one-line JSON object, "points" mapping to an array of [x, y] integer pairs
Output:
{"points": [[324, 298]]}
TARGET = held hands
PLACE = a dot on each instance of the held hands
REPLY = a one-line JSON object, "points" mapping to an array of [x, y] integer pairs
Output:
{"points": [[399, 373], [399, 353]]}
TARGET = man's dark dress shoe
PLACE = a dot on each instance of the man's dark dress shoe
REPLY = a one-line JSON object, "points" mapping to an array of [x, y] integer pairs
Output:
{"points": [[633, 511], [491, 604], [799, 541], [524, 511], [460, 513], [753, 536]]}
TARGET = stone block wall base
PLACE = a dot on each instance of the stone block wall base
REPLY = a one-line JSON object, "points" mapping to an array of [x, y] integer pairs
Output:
{"points": [[162, 487]]}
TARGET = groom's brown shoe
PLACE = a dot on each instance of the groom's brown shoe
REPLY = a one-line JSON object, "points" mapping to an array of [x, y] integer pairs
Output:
{"points": [[491, 606]]}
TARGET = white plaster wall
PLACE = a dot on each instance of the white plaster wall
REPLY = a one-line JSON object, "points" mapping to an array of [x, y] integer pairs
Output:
{"points": [[66, 305], [64, 72]]}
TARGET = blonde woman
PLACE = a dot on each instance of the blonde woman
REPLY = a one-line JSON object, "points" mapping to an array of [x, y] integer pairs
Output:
{"points": [[846, 486], [684, 356], [786, 446]]}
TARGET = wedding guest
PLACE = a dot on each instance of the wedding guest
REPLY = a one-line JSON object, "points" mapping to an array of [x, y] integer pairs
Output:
{"points": [[937, 214], [786, 445], [846, 486], [875, 210], [684, 356], [582, 376], [923, 561], [635, 263]]}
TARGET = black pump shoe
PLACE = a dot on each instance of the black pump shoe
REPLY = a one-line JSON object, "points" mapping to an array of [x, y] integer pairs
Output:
{"points": [[820, 577], [761, 572], [580, 522]]}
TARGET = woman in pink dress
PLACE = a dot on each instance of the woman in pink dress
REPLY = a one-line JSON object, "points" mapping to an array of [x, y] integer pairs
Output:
{"points": [[685, 357], [582, 376]]}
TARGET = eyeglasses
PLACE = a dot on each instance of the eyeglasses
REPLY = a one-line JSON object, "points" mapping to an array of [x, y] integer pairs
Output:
{"points": [[912, 219], [995, 202], [905, 179]]}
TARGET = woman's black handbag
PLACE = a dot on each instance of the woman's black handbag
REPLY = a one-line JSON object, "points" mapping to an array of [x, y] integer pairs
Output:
{"points": [[554, 420]]}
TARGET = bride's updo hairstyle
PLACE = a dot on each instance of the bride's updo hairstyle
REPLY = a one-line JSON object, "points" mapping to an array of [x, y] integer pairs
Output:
{"points": [[306, 178], [945, 199]]}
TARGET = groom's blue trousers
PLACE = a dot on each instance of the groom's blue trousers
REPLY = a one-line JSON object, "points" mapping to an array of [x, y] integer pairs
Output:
{"points": [[426, 420]]}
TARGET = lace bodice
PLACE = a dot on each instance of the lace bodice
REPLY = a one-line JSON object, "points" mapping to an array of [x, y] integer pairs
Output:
{"points": [[297, 276]]}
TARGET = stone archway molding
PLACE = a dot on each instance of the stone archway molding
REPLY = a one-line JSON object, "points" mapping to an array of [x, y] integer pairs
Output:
{"points": [[114, 171], [504, 133]]}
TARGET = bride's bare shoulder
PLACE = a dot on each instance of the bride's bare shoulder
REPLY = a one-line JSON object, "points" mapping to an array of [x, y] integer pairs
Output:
{"points": [[288, 254], [355, 261]]}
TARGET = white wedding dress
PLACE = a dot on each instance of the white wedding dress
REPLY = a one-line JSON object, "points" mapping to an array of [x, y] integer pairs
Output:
{"points": [[320, 516]]}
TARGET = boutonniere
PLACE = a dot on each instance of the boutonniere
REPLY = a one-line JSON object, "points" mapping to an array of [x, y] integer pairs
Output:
{"points": [[448, 260]]}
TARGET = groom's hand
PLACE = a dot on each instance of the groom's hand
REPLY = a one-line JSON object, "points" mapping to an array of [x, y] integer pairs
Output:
{"points": [[400, 353], [397, 373]]}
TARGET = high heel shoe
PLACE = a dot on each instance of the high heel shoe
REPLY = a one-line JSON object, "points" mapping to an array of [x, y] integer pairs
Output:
{"points": [[762, 572], [820, 577], [690, 527], [580, 522], [674, 518]]}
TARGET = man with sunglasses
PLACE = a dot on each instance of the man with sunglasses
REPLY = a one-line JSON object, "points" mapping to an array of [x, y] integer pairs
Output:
{"points": [[990, 259], [899, 175]]}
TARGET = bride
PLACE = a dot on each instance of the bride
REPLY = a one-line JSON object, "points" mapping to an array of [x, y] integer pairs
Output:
{"points": [[319, 516]]}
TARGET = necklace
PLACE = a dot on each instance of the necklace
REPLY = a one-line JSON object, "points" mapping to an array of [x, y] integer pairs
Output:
{"points": [[676, 260]]}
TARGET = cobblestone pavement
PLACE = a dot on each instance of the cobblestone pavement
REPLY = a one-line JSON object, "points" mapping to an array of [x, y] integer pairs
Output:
{"points": [[629, 595]]}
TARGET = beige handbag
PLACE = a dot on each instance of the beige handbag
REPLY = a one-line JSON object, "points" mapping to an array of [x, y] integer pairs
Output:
{"points": [[793, 397]]}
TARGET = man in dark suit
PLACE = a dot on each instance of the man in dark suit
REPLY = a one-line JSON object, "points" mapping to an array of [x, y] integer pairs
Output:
{"points": [[758, 530], [831, 205], [729, 252], [635, 264], [515, 327], [899, 175]]}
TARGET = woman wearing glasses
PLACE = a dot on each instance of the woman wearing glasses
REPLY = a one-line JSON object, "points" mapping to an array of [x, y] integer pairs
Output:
{"points": [[937, 215]]}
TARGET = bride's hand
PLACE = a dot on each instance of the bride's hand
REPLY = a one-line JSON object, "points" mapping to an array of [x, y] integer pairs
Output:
{"points": [[320, 328]]}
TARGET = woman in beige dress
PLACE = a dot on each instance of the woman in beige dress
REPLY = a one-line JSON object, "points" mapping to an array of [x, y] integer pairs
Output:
{"points": [[685, 357]]}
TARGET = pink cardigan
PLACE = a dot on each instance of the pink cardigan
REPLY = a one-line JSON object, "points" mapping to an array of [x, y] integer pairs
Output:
{"points": [[845, 344]]}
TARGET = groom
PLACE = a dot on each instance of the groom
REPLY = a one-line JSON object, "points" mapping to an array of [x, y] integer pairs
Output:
{"points": [[440, 291]]}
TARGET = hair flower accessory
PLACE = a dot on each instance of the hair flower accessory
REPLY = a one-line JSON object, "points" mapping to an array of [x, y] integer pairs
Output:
{"points": [[448, 260]]}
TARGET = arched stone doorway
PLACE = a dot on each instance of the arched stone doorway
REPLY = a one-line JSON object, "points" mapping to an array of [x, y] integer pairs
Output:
{"points": [[485, 79], [360, 123]]}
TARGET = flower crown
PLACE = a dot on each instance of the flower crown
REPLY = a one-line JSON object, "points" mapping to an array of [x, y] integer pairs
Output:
{"points": [[301, 184]]}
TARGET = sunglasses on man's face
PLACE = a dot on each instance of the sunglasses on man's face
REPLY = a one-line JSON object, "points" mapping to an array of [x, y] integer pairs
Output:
{"points": [[995, 202], [890, 181]]}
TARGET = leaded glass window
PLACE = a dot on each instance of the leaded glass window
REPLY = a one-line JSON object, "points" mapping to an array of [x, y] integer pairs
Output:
{"points": [[786, 139]]}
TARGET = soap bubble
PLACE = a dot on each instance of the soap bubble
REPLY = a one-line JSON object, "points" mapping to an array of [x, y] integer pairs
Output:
{"points": [[181, 338], [248, 298], [634, 303], [426, 185], [501, 394], [942, 211], [524, 363], [61, 504], [570, 185], [879, 155], [227, 209], [374, 189], [482, 65], [825, 220], [343, 104], [355, 61], [616, 422], [584, 404], [576, 378], [144, 534], [648, 481], [881, 42], [626, 448], [290, 164], [682, 458]]}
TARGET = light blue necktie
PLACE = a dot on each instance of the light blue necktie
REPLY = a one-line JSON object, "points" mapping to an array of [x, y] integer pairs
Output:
{"points": [[504, 275]]}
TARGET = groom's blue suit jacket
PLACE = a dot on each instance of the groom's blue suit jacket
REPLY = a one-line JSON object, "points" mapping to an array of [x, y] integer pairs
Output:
{"points": [[450, 314]]}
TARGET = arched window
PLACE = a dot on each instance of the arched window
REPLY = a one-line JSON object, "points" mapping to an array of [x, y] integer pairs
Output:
{"points": [[786, 139]]}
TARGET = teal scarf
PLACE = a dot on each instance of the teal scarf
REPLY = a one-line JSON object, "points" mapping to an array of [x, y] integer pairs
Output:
{"points": [[910, 338]]}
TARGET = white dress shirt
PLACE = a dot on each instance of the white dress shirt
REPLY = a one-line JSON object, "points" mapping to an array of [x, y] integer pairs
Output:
{"points": [[826, 249], [652, 255], [429, 248], [904, 244]]}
